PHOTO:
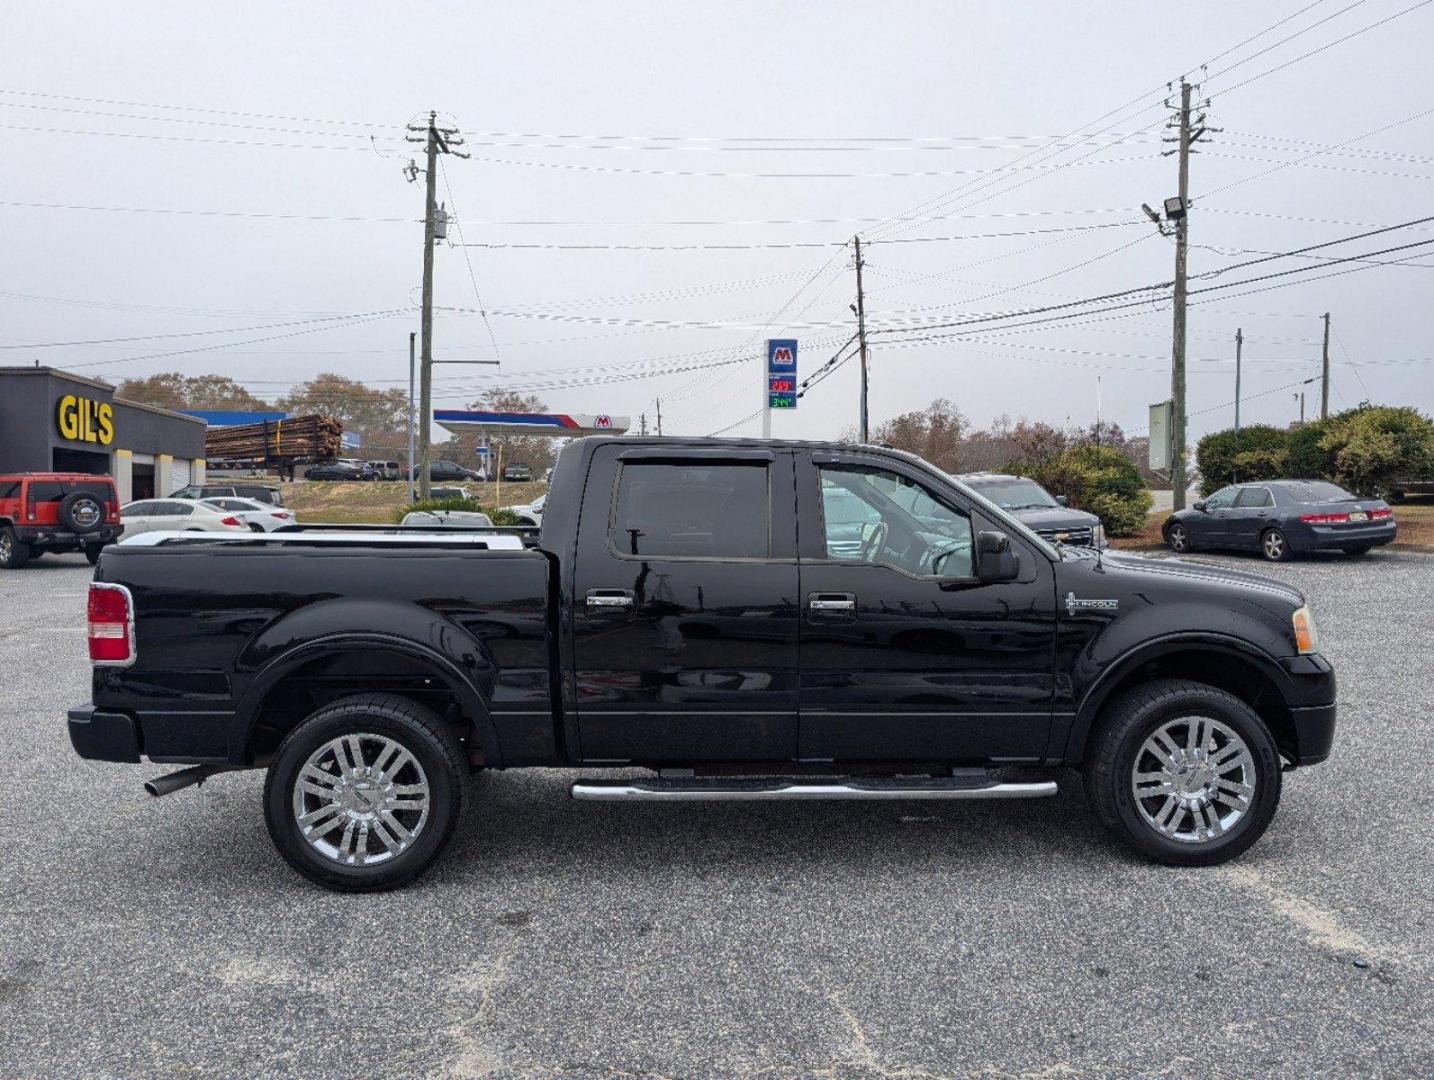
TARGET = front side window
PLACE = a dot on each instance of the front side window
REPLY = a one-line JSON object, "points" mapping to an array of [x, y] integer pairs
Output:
{"points": [[878, 516], [705, 511], [1222, 499]]}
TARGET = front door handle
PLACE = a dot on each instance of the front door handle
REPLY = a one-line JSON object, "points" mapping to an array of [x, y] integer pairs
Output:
{"points": [[835, 603], [609, 598]]}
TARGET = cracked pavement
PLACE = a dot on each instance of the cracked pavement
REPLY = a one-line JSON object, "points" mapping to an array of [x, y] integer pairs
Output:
{"points": [[152, 937]]}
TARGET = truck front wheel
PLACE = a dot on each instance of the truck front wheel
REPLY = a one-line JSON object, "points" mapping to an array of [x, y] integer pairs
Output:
{"points": [[1183, 772], [364, 794]]}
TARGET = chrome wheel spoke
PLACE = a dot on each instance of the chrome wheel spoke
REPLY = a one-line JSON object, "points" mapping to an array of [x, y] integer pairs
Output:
{"points": [[1193, 779], [348, 809]]}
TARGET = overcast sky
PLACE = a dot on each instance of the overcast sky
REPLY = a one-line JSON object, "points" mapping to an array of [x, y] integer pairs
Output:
{"points": [[270, 137]]}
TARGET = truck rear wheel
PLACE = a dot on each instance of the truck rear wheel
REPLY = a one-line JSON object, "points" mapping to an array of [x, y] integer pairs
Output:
{"points": [[364, 794], [1183, 772]]}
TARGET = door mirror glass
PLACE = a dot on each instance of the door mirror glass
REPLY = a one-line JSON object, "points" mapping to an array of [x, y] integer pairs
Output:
{"points": [[1199, 506], [1062, 500], [996, 560]]}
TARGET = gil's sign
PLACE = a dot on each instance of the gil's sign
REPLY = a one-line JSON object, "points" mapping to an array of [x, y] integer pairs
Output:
{"points": [[85, 420]]}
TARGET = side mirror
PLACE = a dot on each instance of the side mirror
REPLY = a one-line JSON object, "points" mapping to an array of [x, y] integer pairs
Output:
{"points": [[995, 559], [1062, 500], [1198, 506]]}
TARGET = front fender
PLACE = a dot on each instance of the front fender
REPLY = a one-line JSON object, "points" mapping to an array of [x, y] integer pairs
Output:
{"points": [[330, 627]]}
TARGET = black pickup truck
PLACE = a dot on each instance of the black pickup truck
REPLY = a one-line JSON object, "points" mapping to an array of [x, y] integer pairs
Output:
{"points": [[705, 619]]}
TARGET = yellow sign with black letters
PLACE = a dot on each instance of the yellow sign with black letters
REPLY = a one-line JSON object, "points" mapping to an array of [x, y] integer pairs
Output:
{"points": [[84, 420]]}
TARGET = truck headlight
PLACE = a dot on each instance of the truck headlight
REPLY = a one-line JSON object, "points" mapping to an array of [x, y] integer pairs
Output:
{"points": [[1306, 636], [1097, 535]]}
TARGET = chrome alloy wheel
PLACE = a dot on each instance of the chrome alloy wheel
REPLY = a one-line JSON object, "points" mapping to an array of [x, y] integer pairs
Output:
{"points": [[1274, 545], [361, 799], [1176, 537], [1193, 779]]}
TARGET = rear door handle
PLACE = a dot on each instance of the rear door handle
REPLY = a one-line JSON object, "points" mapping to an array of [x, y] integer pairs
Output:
{"points": [[836, 603], [609, 598]]}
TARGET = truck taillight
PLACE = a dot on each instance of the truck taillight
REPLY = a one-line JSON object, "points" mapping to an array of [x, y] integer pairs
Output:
{"points": [[110, 624]]}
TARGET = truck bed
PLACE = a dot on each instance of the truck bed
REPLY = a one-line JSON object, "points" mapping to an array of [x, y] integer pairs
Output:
{"points": [[221, 619]]}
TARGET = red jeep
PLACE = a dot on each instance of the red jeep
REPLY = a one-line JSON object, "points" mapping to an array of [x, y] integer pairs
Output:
{"points": [[54, 511]]}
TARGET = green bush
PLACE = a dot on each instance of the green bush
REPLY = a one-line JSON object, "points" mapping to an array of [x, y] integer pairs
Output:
{"points": [[498, 517], [1256, 453], [1307, 459], [1103, 481], [1373, 445]]}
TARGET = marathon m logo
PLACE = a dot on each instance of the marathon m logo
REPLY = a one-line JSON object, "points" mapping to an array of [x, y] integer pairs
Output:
{"points": [[84, 420], [782, 355]]}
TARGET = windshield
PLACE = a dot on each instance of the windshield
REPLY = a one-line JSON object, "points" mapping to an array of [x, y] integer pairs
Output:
{"points": [[1017, 493]]}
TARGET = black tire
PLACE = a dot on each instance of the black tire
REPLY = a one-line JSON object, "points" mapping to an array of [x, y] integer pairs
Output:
{"points": [[1177, 538], [92, 552], [1116, 749], [1274, 546], [14, 553], [254, 526], [1359, 549], [418, 730], [81, 512]]}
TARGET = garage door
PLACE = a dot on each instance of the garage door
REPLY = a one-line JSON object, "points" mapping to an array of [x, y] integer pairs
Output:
{"points": [[179, 473]]}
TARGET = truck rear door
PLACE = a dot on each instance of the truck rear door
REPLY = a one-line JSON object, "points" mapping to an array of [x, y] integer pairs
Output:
{"points": [[905, 655], [685, 606]]}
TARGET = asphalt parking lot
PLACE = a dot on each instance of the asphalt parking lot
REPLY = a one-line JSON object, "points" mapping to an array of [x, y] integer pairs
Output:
{"points": [[144, 937]]}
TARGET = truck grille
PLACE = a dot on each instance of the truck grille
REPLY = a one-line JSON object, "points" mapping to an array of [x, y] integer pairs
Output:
{"points": [[1076, 537]]}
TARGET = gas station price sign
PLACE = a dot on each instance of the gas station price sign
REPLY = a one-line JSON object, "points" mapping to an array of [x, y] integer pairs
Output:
{"points": [[781, 373]]}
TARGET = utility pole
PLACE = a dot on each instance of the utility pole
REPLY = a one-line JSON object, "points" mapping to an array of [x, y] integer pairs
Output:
{"points": [[659, 417], [1324, 381], [412, 466], [1239, 347], [1177, 212], [642, 425], [861, 334], [436, 140]]}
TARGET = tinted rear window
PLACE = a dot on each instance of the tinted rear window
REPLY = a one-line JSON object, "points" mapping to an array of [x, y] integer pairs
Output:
{"points": [[46, 491], [1319, 491], [698, 511], [102, 488]]}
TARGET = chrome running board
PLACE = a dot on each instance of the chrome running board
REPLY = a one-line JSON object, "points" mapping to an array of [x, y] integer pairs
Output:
{"points": [[690, 789]]}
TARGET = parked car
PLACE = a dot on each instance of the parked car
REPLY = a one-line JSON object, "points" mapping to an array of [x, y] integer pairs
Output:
{"points": [[447, 519], [688, 611], [385, 470], [1281, 519], [264, 493], [341, 469], [518, 472], [530, 513], [150, 515], [449, 471], [458, 491], [1047, 514], [56, 511], [260, 517]]}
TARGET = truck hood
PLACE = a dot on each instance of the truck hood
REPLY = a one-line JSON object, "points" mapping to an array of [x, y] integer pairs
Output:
{"points": [[1198, 574], [1055, 517]]}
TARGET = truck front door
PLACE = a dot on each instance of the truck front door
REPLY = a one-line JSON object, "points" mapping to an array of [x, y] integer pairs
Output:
{"points": [[905, 655], [685, 607]]}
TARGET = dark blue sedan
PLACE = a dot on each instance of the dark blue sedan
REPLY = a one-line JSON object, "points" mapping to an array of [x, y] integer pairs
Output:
{"points": [[1281, 518]]}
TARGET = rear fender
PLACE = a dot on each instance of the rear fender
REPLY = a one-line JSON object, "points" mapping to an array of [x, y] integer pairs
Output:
{"points": [[343, 626]]}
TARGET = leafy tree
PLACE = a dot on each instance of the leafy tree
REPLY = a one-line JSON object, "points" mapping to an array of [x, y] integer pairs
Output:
{"points": [[380, 417], [1374, 445], [537, 451], [934, 433], [171, 390], [1258, 452]]}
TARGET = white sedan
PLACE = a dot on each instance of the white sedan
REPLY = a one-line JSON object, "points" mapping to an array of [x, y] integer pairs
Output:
{"points": [[530, 513], [260, 517], [171, 515]]}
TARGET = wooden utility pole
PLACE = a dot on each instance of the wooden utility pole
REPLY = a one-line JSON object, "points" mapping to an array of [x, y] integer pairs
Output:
{"points": [[436, 140], [1324, 380], [1177, 361], [659, 416], [411, 465], [1239, 347], [861, 334]]}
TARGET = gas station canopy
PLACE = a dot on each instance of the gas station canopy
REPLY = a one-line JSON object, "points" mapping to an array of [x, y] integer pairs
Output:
{"points": [[558, 425]]}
